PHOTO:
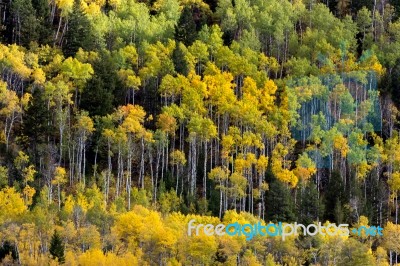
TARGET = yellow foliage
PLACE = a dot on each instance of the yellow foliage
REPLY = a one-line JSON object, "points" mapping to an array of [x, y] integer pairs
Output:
{"points": [[11, 204], [89, 237], [92, 257], [65, 6], [288, 177], [230, 246], [129, 78], [177, 158], [250, 259], [14, 56], [362, 170], [227, 145], [69, 204], [70, 259], [239, 183], [202, 248], [394, 181], [391, 237], [262, 163], [381, 257], [85, 123], [134, 228], [340, 144], [240, 165], [115, 3], [134, 118], [28, 193], [59, 176], [305, 167], [29, 173], [25, 99], [167, 123], [91, 9], [9, 101], [82, 202], [38, 76]]}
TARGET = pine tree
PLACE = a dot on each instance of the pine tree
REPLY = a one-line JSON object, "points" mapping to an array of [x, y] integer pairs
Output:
{"points": [[36, 128], [180, 62], [279, 204], [79, 33], [45, 35], [185, 31], [334, 198], [22, 24], [57, 247]]}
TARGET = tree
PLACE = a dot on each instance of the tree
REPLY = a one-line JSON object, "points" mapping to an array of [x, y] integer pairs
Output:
{"points": [[185, 30], [84, 128], [43, 14], [10, 111], [79, 33], [177, 159], [334, 198], [97, 97], [310, 204], [305, 167], [200, 52], [59, 179], [220, 175], [22, 24], [27, 171], [342, 7], [8, 249], [391, 240], [280, 207], [364, 23], [37, 126], [181, 59], [11, 204], [57, 247]]}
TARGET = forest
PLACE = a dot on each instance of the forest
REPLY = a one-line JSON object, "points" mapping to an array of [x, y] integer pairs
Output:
{"points": [[122, 120]]}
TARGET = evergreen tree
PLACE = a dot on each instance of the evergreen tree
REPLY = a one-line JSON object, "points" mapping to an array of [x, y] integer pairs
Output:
{"points": [[79, 33], [100, 96], [279, 203], [56, 247], [45, 34], [334, 198], [20, 23], [392, 83], [36, 127], [185, 31], [310, 206], [178, 57]]}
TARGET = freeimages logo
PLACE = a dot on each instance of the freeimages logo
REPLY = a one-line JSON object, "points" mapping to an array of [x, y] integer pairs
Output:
{"points": [[280, 229]]}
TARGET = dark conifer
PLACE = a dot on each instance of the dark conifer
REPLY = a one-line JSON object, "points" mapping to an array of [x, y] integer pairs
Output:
{"points": [[57, 247]]}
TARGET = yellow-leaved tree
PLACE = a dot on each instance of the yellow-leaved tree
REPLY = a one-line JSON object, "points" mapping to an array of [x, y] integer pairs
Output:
{"points": [[11, 204]]}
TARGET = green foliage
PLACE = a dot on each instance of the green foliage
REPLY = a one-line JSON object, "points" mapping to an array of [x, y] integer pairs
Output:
{"points": [[57, 248], [25, 29], [79, 32], [3, 176], [280, 207], [185, 30], [169, 201], [334, 198], [249, 110], [310, 206]]}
